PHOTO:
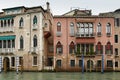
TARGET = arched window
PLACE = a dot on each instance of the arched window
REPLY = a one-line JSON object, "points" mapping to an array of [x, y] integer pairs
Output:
{"points": [[109, 48], [108, 29], [71, 29], [1, 23], [59, 48], [99, 48], [35, 41], [12, 22], [72, 48], [35, 20], [21, 22], [21, 42], [58, 27], [99, 29]]}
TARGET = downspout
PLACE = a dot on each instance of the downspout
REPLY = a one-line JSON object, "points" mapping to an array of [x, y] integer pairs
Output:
{"points": [[67, 61]]}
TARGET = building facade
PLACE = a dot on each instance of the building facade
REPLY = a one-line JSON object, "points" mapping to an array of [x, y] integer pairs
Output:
{"points": [[78, 33], [116, 15], [25, 37]]}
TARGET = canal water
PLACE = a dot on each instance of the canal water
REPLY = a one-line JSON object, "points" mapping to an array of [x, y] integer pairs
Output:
{"points": [[60, 76]]}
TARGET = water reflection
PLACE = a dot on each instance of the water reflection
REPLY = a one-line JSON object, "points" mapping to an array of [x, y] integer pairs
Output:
{"points": [[59, 76]]}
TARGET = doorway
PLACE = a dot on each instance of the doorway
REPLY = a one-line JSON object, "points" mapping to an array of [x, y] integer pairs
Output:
{"points": [[6, 64]]}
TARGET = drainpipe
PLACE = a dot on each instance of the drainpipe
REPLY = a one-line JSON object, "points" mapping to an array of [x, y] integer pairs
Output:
{"points": [[67, 61]]}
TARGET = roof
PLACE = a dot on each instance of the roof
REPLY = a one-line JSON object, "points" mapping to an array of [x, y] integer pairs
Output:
{"points": [[13, 8]]}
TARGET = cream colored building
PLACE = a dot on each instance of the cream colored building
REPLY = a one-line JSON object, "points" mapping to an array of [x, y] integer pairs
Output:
{"points": [[26, 33]]}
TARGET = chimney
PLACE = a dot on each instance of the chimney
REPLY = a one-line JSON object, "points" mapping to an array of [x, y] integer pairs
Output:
{"points": [[48, 6]]}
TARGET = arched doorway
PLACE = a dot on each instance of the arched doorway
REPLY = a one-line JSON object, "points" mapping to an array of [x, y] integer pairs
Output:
{"points": [[6, 64], [90, 65]]}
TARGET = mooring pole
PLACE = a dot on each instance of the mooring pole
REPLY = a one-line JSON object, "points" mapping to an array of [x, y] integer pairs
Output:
{"points": [[17, 63], [102, 70], [82, 63]]}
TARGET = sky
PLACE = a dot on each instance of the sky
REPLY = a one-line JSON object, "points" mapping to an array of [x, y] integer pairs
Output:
{"points": [[59, 7]]}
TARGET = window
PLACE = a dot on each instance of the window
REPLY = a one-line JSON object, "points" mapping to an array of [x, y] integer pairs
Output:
{"points": [[59, 48], [0, 44], [99, 63], [12, 22], [72, 48], [109, 63], [35, 41], [116, 63], [91, 29], [99, 48], [34, 60], [58, 27], [21, 42], [59, 63], [80, 63], [5, 24], [9, 44], [117, 22], [8, 22], [99, 29], [12, 61], [86, 27], [4, 44], [71, 29], [20, 60], [13, 43], [108, 29], [116, 51], [21, 22], [72, 63], [116, 38], [35, 20], [109, 48], [1, 23]]}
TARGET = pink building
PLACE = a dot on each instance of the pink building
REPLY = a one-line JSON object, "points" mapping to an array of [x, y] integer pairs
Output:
{"points": [[78, 32]]}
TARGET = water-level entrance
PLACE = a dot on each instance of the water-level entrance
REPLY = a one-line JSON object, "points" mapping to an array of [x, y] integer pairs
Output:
{"points": [[6, 64]]}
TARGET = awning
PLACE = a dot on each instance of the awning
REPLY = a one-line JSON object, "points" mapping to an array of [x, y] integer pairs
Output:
{"points": [[7, 17], [7, 37]]}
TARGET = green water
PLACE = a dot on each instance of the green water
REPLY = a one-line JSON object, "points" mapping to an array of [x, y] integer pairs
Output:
{"points": [[60, 76]]}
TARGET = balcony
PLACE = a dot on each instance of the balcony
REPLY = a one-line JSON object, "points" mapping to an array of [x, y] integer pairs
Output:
{"points": [[47, 28], [34, 50], [72, 34], [6, 29], [58, 34], [35, 27], [108, 34], [78, 35], [6, 51], [99, 34]]}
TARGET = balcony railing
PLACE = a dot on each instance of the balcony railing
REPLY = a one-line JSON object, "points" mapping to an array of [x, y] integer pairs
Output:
{"points": [[99, 34], [85, 35], [7, 50], [108, 34], [35, 27], [58, 33], [7, 29], [34, 49]]}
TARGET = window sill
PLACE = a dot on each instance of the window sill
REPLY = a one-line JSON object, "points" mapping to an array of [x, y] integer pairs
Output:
{"points": [[34, 65]]}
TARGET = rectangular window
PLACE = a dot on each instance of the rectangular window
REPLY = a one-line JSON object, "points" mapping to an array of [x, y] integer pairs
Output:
{"points": [[0, 44], [13, 43], [116, 63], [13, 61], [9, 44], [20, 60], [59, 63], [116, 38], [4, 44], [117, 22], [99, 63], [71, 31], [109, 63], [34, 60], [116, 51], [72, 63], [80, 63]]}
